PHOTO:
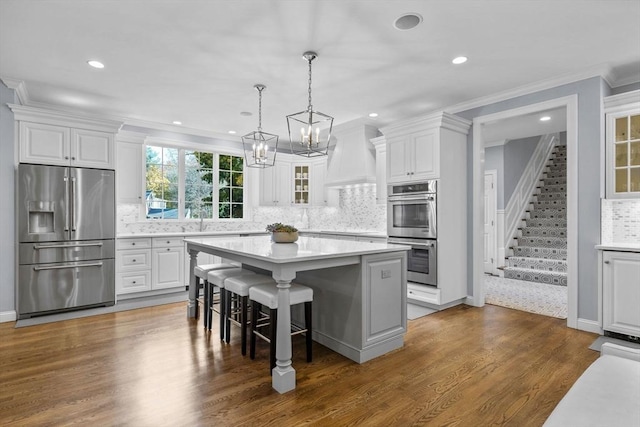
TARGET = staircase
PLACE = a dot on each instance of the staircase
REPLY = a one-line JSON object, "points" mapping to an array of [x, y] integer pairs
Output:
{"points": [[539, 252]]}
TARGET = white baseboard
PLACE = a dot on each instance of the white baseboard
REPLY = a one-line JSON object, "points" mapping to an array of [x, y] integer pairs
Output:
{"points": [[589, 326], [8, 316]]}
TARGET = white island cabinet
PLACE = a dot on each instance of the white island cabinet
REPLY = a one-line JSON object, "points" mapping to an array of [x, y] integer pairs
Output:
{"points": [[359, 292], [621, 292]]}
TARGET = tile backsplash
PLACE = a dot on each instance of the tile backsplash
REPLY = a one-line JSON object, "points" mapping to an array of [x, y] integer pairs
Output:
{"points": [[620, 221], [357, 210]]}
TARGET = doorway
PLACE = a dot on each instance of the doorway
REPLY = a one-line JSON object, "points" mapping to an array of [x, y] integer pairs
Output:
{"points": [[478, 199]]}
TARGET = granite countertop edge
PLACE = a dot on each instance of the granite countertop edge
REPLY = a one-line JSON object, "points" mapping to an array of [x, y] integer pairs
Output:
{"points": [[164, 234], [616, 246]]}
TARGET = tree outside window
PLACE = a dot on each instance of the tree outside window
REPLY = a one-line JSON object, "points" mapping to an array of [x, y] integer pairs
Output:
{"points": [[162, 182], [230, 187]]}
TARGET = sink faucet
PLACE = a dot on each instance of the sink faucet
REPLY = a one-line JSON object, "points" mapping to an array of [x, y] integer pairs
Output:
{"points": [[201, 224]]}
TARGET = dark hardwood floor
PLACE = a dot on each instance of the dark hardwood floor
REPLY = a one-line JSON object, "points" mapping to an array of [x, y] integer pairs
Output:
{"points": [[464, 366]]}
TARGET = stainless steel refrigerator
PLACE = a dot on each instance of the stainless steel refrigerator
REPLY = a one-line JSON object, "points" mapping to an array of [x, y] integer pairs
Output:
{"points": [[66, 230]]}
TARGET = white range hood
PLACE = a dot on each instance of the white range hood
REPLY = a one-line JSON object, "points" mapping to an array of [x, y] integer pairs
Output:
{"points": [[354, 158]]}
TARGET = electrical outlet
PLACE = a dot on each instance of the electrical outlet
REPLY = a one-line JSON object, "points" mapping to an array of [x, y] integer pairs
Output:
{"points": [[386, 274]]}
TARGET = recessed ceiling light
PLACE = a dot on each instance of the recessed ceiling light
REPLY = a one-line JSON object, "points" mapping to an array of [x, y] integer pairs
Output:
{"points": [[95, 64], [373, 114], [408, 21], [177, 122], [232, 132], [545, 118], [459, 60]]}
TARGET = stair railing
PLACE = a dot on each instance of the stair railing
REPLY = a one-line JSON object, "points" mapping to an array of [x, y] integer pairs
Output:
{"points": [[523, 193]]}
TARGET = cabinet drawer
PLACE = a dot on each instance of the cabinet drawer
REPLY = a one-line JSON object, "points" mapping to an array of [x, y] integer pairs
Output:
{"points": [[133, 282], [423, 293], [167, 242], [133, 260], [141, 243]]}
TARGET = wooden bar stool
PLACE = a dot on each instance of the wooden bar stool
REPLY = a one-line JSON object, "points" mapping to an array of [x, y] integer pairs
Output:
{"points": [[201, 271], [217, 278], [237, 288], [267, 295]]}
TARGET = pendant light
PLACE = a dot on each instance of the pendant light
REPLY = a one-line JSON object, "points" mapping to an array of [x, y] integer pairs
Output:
{"points": [[260, 147], [305, 127]]}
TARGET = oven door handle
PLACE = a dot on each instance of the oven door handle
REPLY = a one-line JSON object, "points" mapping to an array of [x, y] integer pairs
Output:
{"points": [[411, 198], [403, 242]]}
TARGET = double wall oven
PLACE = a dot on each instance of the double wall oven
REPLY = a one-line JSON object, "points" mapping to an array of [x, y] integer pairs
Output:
{"points": [[412, 221]]}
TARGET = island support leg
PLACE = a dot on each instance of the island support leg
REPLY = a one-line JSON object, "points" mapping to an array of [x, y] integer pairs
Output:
{"points": [[283, 376], [192, 305]]}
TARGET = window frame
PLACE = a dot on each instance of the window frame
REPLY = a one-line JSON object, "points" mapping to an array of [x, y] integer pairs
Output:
{"points": [[182, 148]]}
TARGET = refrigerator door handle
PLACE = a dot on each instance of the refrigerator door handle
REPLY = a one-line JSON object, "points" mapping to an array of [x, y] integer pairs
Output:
{"points": [[73, 203], [66, 197], [62, 245], [59, 267]]}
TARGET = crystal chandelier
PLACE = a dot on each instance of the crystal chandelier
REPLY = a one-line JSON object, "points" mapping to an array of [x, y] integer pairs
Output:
{"points": [[260, 147], [309, 142]]}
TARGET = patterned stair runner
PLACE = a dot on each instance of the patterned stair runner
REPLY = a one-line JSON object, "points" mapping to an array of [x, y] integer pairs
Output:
{"points": [[540, 249]]}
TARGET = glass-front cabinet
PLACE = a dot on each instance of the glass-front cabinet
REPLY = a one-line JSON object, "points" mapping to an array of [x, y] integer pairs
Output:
{"points": [[301, 184], [623, 145]]}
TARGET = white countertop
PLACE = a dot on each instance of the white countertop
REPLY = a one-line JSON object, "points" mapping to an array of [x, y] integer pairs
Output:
{"points": [[305, 249], [244, 232], [623, 247]]}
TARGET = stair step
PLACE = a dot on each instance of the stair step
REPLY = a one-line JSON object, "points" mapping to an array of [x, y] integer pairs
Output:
{"points": [[548, 277], [552, 196], [554, 181], [548, 204], [555, 175], [557, 167], [546, 222], [552, 189], [538, 264], [542, 242], [545, 232], [548, 214], [537, 252]]}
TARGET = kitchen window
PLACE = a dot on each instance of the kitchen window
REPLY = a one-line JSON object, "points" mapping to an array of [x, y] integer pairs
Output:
{"points": [[186, 184]]}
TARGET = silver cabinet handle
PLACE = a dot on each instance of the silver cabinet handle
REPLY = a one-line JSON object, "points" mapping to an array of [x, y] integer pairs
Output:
{"points": [[133, 260], [607, 262], [59, 267]]}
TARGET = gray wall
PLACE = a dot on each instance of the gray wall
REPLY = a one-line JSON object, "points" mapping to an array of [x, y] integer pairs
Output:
{"points": [[7, 215], [517, 154], [494, 160], [509, 160], [590, 136]]}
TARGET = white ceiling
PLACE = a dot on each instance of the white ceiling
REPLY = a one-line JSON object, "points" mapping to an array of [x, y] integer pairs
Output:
{"points": [[197, 61]]}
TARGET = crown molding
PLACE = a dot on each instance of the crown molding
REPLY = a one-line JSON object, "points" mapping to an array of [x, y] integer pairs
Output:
{"points": [[19, 87], [439, 119], [621, 101], [63, 118], [603, 71]]}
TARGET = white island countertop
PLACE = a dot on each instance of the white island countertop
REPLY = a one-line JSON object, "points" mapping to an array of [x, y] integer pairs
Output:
{"points": [[305, 249]]}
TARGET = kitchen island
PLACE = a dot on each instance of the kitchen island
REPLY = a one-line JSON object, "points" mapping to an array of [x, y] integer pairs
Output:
{"points": [[360, 292]]}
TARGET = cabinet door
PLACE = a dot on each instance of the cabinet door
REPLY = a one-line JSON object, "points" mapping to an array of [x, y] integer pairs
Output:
{"points": [[623, 154], [318, 190], [168, 268], [398, 153], [44, 144], [425, 159], [92, 149], [621, 292], [135, 281], [129, 169], [284, 184], [268, 186]]}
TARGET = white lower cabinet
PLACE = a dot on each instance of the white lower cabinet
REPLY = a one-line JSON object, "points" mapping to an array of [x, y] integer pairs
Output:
{"points": [[148, 264], [167, 263], [621, 292], [133, 265]]}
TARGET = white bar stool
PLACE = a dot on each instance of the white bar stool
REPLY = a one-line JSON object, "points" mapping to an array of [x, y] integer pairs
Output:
{"points": [[240, 286], [201, 271], [267, 295], [218, 278]]}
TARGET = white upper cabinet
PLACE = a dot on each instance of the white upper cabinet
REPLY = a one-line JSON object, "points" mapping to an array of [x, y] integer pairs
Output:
{"points": [[623, 145], [57, 138], [129, 168], [413, 157], [276, 184], [415, 149], [291, 182]]}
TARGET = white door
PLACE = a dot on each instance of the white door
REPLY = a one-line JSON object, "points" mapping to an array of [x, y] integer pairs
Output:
{"points": [[490, 221]]}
